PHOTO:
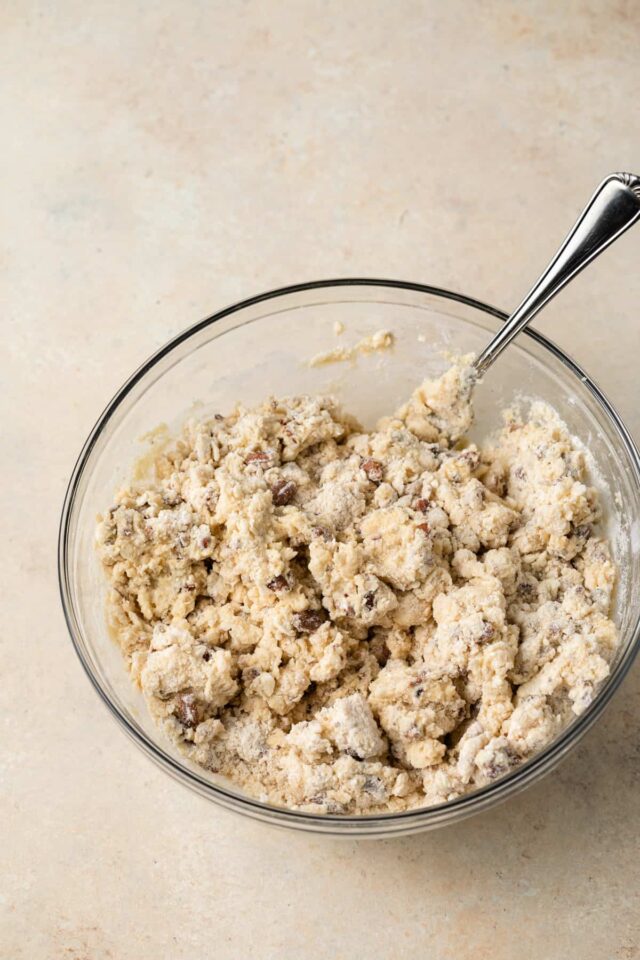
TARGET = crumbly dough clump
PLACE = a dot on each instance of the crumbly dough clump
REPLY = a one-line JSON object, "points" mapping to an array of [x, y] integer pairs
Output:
{"points": [[351, 622]]}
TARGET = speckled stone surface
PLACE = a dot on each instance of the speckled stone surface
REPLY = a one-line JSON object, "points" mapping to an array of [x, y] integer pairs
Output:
{"points": [[160, 160]]}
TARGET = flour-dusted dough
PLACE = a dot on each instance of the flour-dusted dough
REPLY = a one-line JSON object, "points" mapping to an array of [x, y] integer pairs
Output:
{"points": [[352, 622]]}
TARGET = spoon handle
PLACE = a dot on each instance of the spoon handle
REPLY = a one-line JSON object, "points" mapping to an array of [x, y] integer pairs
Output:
{"points": [[613, 208]]}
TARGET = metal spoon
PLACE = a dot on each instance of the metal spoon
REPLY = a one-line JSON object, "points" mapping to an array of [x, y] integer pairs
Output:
{"points": [[613, 208]]}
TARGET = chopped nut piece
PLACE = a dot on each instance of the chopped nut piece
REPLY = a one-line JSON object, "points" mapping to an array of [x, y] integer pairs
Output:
{"points": [[187, 710], [487, 632], [283, 492], [308, 621], [374, 470], [321, 532], [278, 583], [258, 456]]}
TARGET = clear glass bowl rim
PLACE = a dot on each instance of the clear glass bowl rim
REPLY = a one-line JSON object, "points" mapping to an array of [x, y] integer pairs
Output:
{"points": [[419, 818]]}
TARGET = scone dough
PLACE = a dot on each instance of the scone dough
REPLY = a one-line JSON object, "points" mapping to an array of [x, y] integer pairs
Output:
{"points": [[350, 622]]}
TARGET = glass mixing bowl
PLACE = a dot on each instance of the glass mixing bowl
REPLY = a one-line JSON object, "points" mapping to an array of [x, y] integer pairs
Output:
{"points": [[262, 346]]}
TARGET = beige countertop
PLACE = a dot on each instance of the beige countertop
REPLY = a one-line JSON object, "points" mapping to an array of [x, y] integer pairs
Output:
{"points": [[160, 160]]}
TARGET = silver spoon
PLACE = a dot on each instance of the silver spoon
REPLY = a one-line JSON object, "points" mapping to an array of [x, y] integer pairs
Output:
{"points": [[613, 208]]}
